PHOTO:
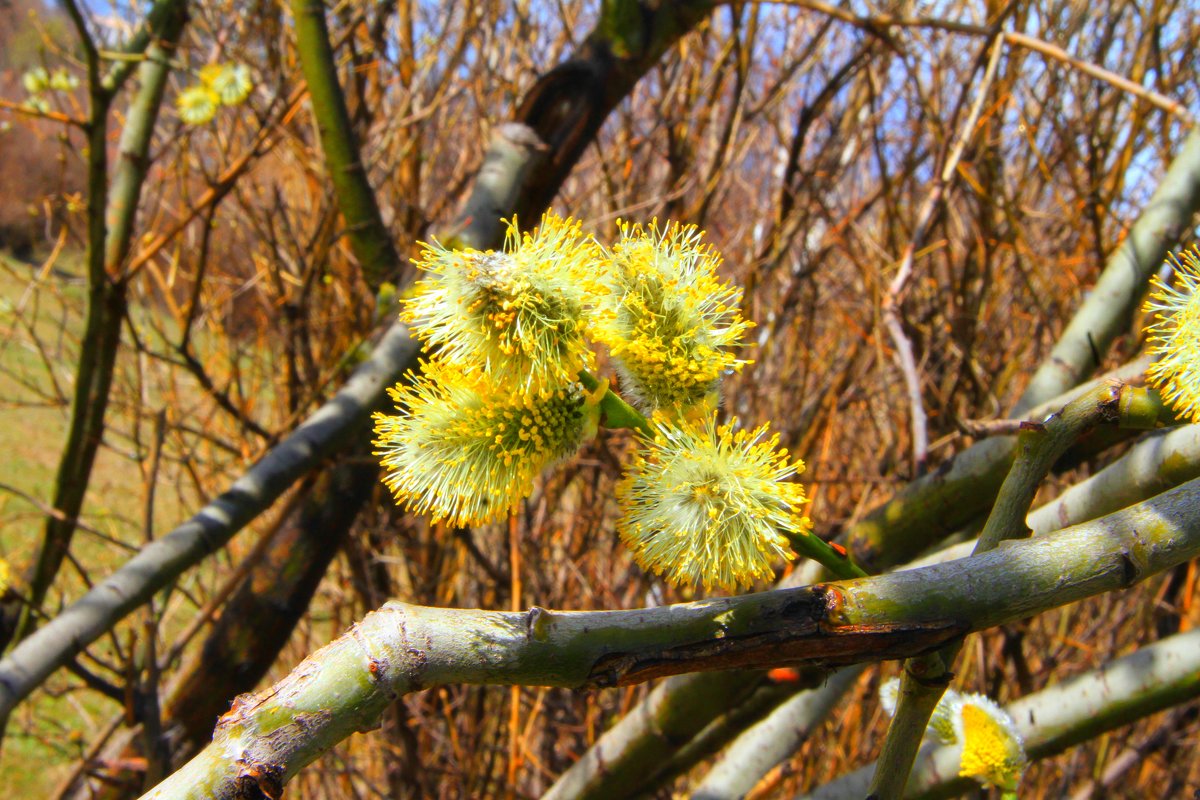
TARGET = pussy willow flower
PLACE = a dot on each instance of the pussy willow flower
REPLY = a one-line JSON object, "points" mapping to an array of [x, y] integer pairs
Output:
{"points": [[710, 505], [467, 449], [517, 314], [35, 80], [992, 751], [1175, 336], [197, 104], [231, 82], [889, 695], [4, 577], [63, 81], [666, 317]]}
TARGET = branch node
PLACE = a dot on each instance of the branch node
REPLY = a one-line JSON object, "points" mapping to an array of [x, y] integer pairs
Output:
{"points": [[537, 621]]}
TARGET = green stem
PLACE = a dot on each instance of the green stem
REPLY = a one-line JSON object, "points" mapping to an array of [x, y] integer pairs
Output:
{"points": [[832, 557], [369, 237], [1039, 446], [111, 214], [617, 413]]}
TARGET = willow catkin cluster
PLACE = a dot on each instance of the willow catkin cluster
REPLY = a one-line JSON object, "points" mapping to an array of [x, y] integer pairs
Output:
{"points": [[499, 400]]}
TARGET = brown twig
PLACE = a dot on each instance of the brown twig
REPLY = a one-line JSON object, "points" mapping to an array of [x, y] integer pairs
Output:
{"points": [[896, 290], [982, 428], [878, 23]]}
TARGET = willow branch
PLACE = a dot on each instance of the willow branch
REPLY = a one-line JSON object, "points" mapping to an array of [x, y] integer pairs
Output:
{"points": [[1055, 52], [369, 238], [1152, 465], [898, 287], [128, 58], [878, 24], [1040, 446], [774, 739], [924, 679], [938, 504], [268, 737]]}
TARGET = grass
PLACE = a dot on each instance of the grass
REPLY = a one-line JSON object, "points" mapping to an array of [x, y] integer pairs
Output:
{"points": [[31, 425], [40, 323]]}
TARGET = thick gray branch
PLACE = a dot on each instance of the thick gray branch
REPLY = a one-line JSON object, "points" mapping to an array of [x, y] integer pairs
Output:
{"points": [[344, 687]]}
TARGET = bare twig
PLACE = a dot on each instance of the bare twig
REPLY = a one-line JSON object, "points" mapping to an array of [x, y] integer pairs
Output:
{"points": [[982, 428], [895, 293], [879, 23]]}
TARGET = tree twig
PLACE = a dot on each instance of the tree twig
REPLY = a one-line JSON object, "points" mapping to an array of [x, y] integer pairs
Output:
{"points": [[370, 239], [879, 23], [896, 290], [924, 679]]}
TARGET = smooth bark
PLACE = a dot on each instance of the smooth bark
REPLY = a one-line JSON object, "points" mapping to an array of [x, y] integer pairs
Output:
{"points": [[268, 737]]}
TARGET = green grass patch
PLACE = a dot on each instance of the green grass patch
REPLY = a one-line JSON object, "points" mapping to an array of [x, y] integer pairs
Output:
{"points": [[41, 321]]}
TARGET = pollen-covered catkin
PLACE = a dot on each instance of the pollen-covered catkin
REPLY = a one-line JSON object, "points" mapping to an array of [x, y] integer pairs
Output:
{"points": [[666, 317], [1175, 336], [516, 314], [711, 504], [466, 449]]}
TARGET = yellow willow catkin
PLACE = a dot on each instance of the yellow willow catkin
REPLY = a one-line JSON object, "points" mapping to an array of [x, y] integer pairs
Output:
{"points": [[1175, 336], [666, 317], [992, 750], [467, 450], [516, 314], [708, 504]]}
